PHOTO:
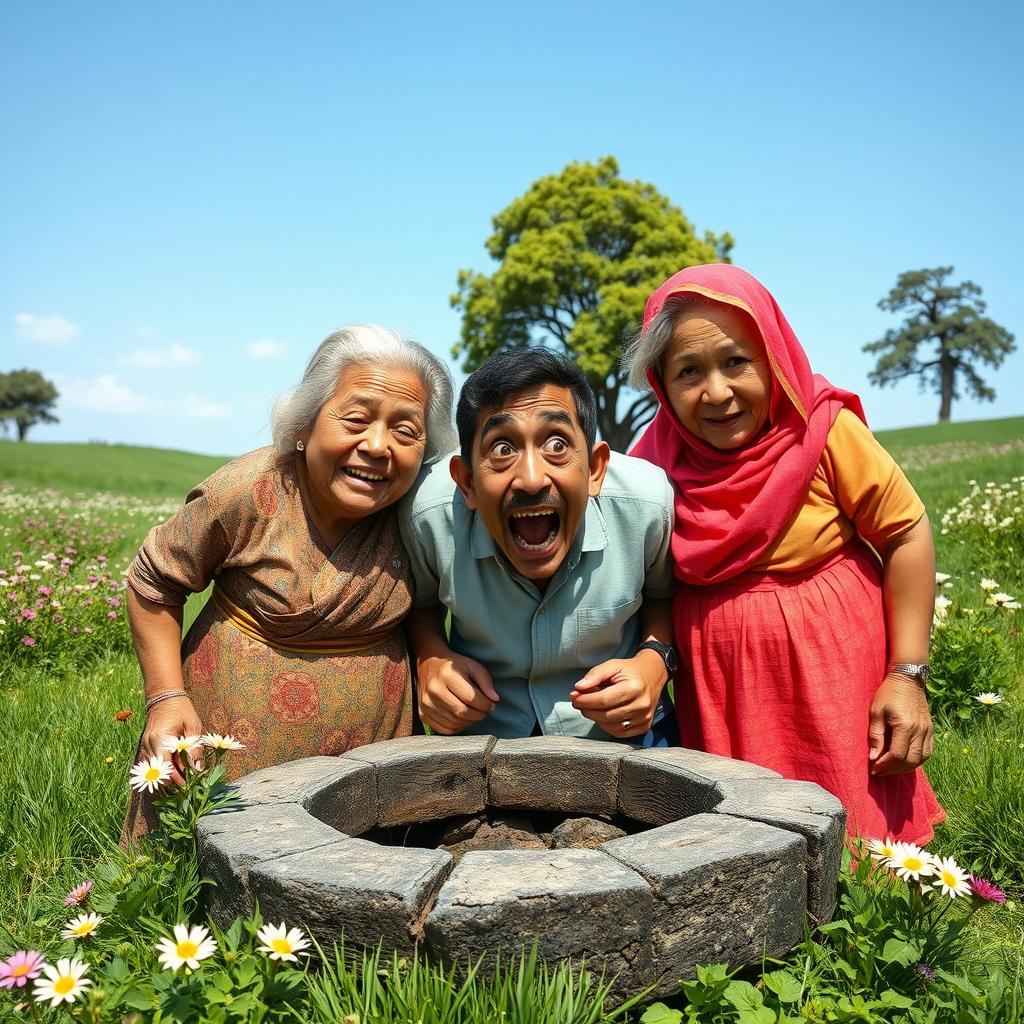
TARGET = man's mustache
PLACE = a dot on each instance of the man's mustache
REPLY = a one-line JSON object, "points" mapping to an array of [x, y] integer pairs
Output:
{"points": [[533, 502]]}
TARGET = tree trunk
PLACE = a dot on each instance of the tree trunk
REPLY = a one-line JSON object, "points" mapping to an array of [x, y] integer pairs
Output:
{"points": [[947, 369], [22, 429]]}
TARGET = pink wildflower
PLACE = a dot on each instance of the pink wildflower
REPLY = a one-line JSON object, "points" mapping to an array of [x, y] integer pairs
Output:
{"points": [[101, 558], [87, 629], [78, 895], [28, 641], [74, 629], [987, 890], [87, 602], [111, 615], [92, 579], [58, 618], [17, 554], [24, 966], [40, 603], [28, 613], [45, 591], [12, 596], [114, 602]]}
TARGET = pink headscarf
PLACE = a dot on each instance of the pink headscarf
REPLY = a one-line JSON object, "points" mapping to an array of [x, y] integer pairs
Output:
{"points": [[732, 505]]}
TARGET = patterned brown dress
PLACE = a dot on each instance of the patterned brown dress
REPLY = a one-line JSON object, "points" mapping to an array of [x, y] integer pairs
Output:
{"points": [[246, 528]]}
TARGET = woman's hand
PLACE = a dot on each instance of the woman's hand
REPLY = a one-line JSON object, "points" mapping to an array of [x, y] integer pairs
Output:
{"points": [[899, 727], [170, 719]]}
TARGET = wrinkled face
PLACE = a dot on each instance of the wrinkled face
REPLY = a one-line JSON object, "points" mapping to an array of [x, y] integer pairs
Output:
{"points": [[716, 376], [366, 444], [531, 478]]}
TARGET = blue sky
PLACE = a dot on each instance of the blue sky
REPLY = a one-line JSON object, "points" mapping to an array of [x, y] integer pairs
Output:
{"points": [[193, 195]]}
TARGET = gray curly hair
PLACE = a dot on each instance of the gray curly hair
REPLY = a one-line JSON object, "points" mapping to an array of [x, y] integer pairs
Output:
{"points": [[366, 344], [648, 345]]}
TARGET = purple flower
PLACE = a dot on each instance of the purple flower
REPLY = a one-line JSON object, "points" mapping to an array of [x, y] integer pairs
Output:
{"points": [[18, 555], [77, 896], [986, 890], [114, 602], [45, 591], [111, 615], [58, 618], [28, 613], [28, 641], [925, 971], [101, 558]]}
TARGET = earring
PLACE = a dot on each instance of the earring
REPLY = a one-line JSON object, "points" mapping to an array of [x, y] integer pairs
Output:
{"points": [[299, 446]]}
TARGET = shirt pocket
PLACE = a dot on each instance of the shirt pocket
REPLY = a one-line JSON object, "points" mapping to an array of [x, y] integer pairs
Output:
{"points": [[601, 633]]}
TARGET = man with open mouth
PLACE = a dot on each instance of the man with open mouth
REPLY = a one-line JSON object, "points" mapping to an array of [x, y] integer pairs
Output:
{"points": [[551, 555]]}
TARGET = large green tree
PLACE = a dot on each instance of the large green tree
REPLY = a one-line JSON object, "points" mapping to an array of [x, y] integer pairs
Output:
{"points": [[577, 256], [26, 398], [950, 317]]}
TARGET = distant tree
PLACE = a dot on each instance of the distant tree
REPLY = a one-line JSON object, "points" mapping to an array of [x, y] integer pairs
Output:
{"points": [[26, 398], [950, 316], [578, 255]]}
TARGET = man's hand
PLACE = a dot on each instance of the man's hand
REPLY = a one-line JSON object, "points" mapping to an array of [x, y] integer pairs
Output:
{"points": [[899, 727], [454, 692], [620, 691]]}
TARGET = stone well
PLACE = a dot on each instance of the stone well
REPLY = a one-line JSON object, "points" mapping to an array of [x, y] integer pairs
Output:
{"points": [[726, 858]]}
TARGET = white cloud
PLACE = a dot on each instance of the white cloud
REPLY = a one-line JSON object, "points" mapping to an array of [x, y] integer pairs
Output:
{"points": [[265, 348], [105, 393], [101, 394], [175, 354], [51, 330]]}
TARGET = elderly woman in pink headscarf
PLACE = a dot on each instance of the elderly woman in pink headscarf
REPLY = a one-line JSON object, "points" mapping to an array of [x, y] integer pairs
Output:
{"points": [[804, 554]]}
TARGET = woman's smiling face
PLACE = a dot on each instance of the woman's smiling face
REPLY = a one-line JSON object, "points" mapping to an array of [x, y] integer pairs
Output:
{"points": [[366, 445], [716, 376]]}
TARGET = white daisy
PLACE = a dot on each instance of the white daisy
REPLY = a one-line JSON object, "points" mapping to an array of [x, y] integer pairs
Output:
{"points": [[63, 983], [988, 699], [989, 585], [150, 775], [942, 606], [186, 949], [882, 849], [218, 742], [941, 577], [81, 927], [281, 943], [911, 862], [950, 878], [180, 744]]}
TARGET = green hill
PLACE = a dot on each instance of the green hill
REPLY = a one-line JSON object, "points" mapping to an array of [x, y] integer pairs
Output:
{"points": [[117, 468]]}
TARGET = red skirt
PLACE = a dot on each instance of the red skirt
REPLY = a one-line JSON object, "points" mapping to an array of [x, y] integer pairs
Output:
{"points": [[780, 669]]}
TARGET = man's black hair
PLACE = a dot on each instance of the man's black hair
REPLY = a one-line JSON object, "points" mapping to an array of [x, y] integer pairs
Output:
{"points": [[516, 370]]}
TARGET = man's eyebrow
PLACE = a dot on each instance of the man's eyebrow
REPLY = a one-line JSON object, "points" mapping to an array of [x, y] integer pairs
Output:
{"points": [[496, 420], [557, 416]]}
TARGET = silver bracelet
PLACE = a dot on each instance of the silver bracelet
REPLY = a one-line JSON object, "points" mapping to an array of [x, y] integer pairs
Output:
{"points": [[153, 701]]}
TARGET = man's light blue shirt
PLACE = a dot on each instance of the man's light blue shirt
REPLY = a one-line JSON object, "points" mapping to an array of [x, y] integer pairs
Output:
{"points": [[538, 646]]}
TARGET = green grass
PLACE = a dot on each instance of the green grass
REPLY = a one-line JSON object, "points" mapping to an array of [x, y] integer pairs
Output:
{"points": [[61, 803], [119, 469]]}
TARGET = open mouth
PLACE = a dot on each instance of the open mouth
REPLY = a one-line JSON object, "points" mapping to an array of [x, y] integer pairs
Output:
{"points": [[363, 474], [534, 530], [724, 421]]}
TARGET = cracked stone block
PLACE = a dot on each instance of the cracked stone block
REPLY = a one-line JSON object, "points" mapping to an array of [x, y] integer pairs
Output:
{"points": [[420, 778], [584, 833], [555, 773], [660, 785], [231, 843], [340, 792], [799, 807], [578, 904], [353, 890], [725, 890]]}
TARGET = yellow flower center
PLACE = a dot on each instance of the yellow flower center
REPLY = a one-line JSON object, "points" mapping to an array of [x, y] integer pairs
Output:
{"points": [[187, 949], [84, 928], [949, 878], [152, 774], [913, 864], [20, 971], [64, 984], [281, 945]]}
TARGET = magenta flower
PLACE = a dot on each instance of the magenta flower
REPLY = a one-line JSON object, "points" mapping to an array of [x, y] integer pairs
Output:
{"points": [[45, 591], [926, 972], [78, 895], [28, 613], [23, 967], [986, 890], [101, 558], [114, 602], [92, 579], [17, 554], [28, 641], [111, 615]]}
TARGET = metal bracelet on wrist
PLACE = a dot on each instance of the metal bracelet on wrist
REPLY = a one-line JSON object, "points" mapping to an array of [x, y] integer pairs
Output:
{"points": [[153, 701], [918, 671]]}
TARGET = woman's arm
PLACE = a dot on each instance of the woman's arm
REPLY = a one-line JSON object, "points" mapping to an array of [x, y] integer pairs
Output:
{"points": [[156, 633], [900, 727]]}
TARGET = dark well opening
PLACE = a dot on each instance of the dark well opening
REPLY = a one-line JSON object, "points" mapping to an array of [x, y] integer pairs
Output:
{"points": [[495, 829]]}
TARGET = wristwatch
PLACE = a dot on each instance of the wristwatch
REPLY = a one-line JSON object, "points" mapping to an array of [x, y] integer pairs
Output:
{"points": [[910, 668], [667, 652]]}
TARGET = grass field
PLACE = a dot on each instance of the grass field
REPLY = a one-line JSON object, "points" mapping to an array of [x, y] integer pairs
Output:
{"points": [[65, 756]]}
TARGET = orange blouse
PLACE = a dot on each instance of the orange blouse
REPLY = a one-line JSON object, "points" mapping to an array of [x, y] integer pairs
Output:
{"points": [[857, 489]]}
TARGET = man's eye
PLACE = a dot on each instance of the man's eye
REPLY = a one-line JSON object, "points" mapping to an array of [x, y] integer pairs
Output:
{"points": [[558, 445], [502, 450]]}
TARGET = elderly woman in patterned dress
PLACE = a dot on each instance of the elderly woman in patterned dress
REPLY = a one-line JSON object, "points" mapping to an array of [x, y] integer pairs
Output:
{"points": [[299, 651]]}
